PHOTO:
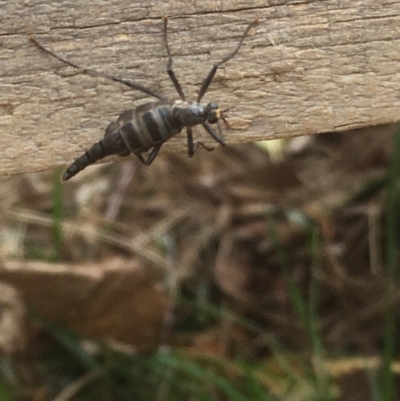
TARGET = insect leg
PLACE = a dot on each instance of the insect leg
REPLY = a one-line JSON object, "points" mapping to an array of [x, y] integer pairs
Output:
{"points": [[211, 74], [193, 146], [170, 71], [151, 157], [218, 137], [94, 73]]}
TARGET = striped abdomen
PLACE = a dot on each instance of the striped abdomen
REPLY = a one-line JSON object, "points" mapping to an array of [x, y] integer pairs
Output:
{"points": [[135, 131]]}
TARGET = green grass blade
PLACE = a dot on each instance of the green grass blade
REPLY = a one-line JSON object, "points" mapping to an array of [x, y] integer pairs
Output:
{"points": [[68, 340], [392, 220], [4, 394], [198, 372], [307, 310], [57, 212]]}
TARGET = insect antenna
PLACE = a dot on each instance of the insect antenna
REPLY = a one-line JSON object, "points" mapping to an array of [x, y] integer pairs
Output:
{"points": [[94, 73]]}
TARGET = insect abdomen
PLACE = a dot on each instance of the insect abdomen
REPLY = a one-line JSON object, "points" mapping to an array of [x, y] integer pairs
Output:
{"points": [[148, 125], [110, 145], [135, 131]]}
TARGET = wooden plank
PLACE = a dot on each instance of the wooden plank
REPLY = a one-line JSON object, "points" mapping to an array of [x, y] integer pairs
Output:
{"points": [[310, 66]]}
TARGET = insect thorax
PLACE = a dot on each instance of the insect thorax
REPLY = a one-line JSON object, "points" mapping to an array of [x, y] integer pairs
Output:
{"points": [[194, 113]]}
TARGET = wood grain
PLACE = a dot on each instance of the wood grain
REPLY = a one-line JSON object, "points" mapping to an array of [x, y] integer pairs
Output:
{"points": [[309, 67]]}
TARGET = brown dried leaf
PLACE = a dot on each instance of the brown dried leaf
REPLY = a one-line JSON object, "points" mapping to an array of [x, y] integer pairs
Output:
{"points": [[116, 300]]}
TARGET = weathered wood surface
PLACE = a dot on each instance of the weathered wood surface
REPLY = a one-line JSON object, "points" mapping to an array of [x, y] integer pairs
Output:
{"points": [[310, 66]]}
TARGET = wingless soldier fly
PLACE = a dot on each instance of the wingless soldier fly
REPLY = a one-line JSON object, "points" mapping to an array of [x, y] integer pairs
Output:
{"points": [[148, 126]]}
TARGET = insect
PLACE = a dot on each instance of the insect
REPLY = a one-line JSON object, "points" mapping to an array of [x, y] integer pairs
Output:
{"points": [[148, 126]]}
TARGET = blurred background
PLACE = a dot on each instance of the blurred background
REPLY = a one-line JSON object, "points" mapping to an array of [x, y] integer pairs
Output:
{"points": [[263, 271]]}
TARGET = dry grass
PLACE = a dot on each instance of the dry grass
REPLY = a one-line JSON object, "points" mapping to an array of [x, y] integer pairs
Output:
{"points": [[130, 242]]}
